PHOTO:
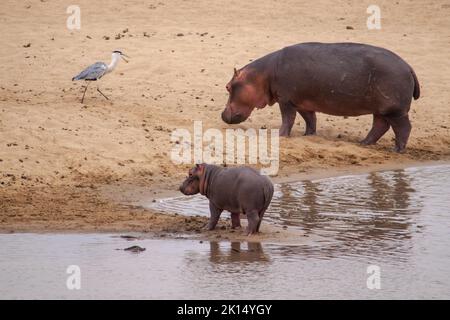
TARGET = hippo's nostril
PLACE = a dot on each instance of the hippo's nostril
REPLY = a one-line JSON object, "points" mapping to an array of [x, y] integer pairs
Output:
{"points": [[237, 118]]}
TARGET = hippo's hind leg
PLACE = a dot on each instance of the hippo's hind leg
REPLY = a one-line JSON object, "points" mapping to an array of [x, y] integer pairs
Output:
{"points": [[261, 215], [379, 127], [235, 220], [253, 220], [288, 114], [402, 128], [215, 215], [310, 120]]}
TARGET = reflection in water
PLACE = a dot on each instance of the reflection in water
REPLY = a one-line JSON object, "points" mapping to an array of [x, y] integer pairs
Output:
{"points": [[237, 253], [246, 260], [295, 201], [351, 215]]}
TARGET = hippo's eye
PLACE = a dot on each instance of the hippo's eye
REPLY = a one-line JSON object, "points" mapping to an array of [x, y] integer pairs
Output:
{"points": [[235, 88]]}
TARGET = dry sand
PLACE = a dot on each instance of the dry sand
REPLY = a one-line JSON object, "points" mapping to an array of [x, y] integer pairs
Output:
{"points": [[58, 156]]}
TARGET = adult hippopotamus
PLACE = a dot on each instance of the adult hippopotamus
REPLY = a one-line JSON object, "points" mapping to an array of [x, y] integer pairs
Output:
{"points": [[237, 190], [342, 79]]}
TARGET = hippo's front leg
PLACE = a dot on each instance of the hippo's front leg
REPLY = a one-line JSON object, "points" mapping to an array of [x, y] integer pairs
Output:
{"points": [[288, 114], [215, 215]]}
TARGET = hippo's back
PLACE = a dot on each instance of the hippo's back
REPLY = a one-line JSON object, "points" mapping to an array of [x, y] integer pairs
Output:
{"points": [[330, 53], [345, 78], [245, 173], [247, 177]]}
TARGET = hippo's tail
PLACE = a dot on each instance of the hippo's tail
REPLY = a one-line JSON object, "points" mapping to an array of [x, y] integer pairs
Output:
{"points": [[268, 194], [416, 92]]}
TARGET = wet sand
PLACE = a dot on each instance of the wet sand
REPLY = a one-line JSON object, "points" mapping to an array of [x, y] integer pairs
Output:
{"points": [[61, 162]]}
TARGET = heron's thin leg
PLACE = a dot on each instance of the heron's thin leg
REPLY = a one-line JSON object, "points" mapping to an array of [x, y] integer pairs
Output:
{"points": [[82, 99], [102, 94]]}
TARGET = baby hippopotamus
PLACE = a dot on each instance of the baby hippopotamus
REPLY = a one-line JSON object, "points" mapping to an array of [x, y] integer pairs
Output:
{"points": [[237, 190]]}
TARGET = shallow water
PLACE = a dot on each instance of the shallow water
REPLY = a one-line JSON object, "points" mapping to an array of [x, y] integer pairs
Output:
{"points": [[397, 220]]}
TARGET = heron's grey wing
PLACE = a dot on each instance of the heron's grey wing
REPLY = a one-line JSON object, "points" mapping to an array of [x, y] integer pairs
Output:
{"points": [[93, 72]]}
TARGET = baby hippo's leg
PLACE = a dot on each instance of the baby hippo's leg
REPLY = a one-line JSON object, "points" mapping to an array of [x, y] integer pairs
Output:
{"points": [[235, 220], [261, 214], [253, 221], [215, 215]]}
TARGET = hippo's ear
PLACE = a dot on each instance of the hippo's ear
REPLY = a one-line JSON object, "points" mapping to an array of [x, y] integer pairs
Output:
{"points": [[236, 73], [199, 167]]}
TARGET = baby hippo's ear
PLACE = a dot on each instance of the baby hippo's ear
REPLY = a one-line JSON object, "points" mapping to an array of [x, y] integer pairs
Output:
{"points": [[199, 168]]}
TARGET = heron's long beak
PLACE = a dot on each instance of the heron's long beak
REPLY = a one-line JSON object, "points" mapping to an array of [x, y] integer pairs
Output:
{"points": [[125, 56]]}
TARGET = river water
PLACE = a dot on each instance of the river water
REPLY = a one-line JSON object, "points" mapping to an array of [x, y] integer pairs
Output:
{"points": [[378, 235]]}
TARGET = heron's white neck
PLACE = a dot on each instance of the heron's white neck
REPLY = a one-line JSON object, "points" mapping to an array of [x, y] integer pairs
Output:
{"points": [[114, 61]]}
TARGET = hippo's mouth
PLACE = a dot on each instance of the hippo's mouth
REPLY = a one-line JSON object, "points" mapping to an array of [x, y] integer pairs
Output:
{"points": [[230, 118], [187, 191]]}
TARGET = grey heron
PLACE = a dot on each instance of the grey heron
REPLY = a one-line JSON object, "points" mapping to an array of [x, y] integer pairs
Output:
{"points": [[98, 70]]}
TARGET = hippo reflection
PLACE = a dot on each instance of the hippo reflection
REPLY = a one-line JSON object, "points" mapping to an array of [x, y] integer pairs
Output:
{"points": [[353, 212], [237, 253]]}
